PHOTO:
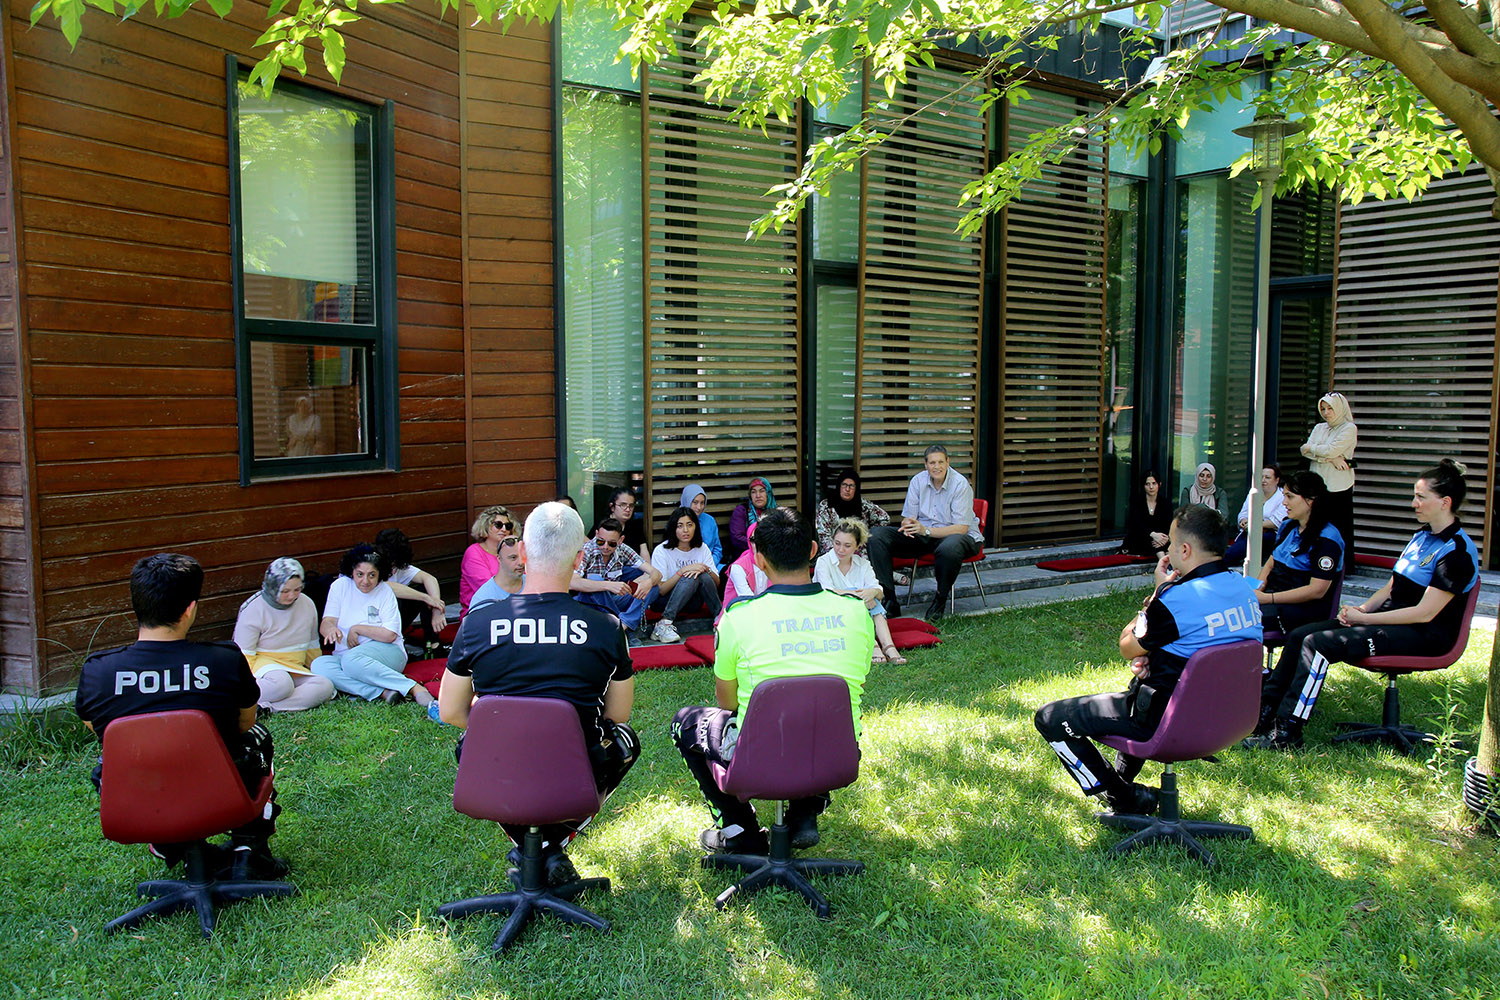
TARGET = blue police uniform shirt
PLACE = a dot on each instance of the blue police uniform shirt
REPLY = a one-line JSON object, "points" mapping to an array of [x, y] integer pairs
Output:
{"points": [[1446, 560], [1323, 559], [1208, 607]]}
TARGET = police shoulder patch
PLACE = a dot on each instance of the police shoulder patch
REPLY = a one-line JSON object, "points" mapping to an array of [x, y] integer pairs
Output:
{"points": [[1325, 562]]}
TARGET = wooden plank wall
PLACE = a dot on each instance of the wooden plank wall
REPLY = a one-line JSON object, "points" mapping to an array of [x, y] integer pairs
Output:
{"points": [[508, 211], [122, 172], [17, 571]]}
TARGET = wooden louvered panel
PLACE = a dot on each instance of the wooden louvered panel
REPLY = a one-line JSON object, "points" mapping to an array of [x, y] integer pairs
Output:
{"points": [[1414, 349], [722, 329], [1052, 340], [920, 285]]}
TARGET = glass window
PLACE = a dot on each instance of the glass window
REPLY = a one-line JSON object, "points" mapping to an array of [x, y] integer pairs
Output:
{"points": [[590, 43], [316, 335], [835, 227], [836, 385], [1209, 143], [1123, 220], [602, 278]]}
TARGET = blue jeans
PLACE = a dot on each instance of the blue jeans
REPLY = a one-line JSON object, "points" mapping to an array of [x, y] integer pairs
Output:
{"points": [[627, 607], [367, 670]]}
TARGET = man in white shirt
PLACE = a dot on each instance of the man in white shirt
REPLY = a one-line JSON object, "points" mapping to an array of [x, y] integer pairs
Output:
{"points": [[937, 519], [1273, 513]]}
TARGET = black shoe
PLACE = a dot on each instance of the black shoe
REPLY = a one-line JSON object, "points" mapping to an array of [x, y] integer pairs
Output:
{"points": [[1267, 722], [804, 831], [1139, 801], [254, 864], [1285, 735], [937, 609], [560, 870], [893, 608], [714, 841]]}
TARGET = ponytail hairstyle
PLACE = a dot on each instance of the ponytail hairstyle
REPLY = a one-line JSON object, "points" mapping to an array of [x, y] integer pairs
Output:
{"points": [[1446, 479], [1310, 487]]}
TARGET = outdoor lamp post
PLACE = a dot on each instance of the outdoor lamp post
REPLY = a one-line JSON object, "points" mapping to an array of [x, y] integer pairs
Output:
{"points": [[1268, 137]]}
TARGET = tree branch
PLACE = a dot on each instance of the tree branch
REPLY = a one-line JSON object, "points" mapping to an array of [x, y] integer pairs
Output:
{"points": [[1462, 25]]}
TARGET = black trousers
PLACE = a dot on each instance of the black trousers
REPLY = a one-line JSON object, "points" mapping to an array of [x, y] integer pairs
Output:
{"points": [[1292, 688], [1287, 618], [611, 760], [698, 732], [253, 761], [1068, 723], [1340, 509], [948, 553]]}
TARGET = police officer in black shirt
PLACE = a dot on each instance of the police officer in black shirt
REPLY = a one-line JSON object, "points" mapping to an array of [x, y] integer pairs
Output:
{"points": [[543, 644], [161, 671]]}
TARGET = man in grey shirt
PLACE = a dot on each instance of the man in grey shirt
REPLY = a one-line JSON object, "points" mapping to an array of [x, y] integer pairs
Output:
{"points": [[938, 520]]}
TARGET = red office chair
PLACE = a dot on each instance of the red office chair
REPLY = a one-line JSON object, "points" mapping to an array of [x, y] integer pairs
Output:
{"points": [[910, 566], [169, 779], [1215, 705], [1390, 730], [524, 762], [796, 741]]}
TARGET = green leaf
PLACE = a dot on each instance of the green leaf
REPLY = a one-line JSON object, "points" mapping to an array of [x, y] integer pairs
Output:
{"points": [[70, 18], [338, 17], [333, 52], [221, 7], [877, 24]]}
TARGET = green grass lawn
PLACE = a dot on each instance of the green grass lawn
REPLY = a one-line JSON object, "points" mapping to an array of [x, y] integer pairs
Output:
{"points": [[986, 872]]}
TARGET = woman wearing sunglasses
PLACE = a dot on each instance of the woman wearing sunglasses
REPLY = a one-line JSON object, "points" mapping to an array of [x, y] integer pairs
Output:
{"points": [[482, 559]]}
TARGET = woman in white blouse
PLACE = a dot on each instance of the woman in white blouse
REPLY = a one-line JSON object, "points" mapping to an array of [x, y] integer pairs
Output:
{"points": [[844, 571], [1330, 453], [688, 579], [363, 622], [277, 630]]}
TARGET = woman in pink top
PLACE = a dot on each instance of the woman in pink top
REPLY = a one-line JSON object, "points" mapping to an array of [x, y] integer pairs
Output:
{"points": [[482, 559]]}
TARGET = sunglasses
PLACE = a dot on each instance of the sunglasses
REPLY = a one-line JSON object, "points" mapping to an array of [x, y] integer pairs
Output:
{"points": [[605, 545], [505, 525]]}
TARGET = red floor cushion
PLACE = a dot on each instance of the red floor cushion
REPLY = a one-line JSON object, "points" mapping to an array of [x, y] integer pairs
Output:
{"points": [[428, 673], [702, 645], [672, 654], [911, 640], [1091, 562], [911, 625]]}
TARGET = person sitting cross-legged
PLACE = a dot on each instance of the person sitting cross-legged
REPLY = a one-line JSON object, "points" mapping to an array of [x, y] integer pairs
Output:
{"points": [[689, 580], [937, 519], [792, 629], [1197, 603], [542, 644], [615, 577], [162, 672]]}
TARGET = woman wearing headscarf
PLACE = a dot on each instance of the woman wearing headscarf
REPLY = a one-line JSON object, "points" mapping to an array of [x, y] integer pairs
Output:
{"points": [[845, 500], [695, 500], [758, 500], [1330, 451], [1203, 490], [277, 630]]}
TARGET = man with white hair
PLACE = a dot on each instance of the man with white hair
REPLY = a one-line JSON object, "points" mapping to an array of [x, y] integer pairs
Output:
{"points": [[543, 644]]}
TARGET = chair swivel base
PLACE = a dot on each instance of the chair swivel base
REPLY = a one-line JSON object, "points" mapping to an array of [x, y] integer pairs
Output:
{"points": [[1169, 826], [198, 891], [780, 868], [531, 894], [1389, 731]]}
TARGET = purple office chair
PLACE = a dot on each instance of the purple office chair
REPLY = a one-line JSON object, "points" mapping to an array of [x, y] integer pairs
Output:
{"points": [[796, 741], [1275, 638], [1390, 730], [524, 762], [1215, 705]]}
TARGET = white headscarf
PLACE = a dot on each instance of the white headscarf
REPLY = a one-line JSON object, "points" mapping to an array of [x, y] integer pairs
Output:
{"points": [[1196, 495], [1340, 407]]}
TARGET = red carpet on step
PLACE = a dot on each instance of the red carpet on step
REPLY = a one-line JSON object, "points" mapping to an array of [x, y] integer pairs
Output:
{"points": [[1091, 562]]}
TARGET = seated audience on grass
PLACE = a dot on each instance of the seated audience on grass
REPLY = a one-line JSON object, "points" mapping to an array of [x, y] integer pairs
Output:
{"points": [[845, 500], [743, 578], [614, 576], [363, 623], [937, 519], [1273, 514], [759, 500], [507, 580], [688, 579], [695, 500], [844, 571], [502, 648], [1417, 613], [1149, 518], [622, 506], [1205, 492], [482, 558], [1197, 603], [417, 593], [162, 672], [750, 648], [277, 630], [1297, 578]]}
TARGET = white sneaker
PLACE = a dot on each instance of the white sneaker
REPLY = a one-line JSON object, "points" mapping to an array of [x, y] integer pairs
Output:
{"points": [[665, 632]]}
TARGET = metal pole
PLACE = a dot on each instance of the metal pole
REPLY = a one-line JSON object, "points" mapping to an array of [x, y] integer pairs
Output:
{"points": [[1254, 557]]}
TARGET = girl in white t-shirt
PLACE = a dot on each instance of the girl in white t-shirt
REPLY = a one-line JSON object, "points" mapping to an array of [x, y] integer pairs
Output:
{"points": [[688, 579], [363, 623], [844, 571]]}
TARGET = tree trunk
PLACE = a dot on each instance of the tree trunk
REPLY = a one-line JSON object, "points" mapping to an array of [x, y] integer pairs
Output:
{"points": [[1489, 733]]}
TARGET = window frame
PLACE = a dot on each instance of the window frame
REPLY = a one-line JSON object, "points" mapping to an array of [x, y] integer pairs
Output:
{"points": [[382, 452]]}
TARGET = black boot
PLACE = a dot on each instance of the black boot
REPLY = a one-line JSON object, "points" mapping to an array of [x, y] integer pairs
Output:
{"points": [[1137, 800], [1286, 734], [1267, 721], [938, 608]]}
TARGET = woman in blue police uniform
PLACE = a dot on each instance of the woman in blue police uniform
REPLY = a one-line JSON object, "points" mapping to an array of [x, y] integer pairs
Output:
{"points": [[1417, 612], [1297, 579]]}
